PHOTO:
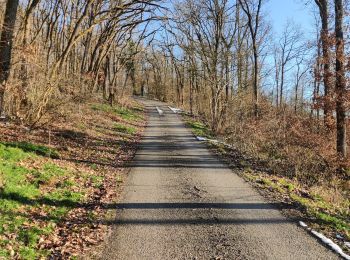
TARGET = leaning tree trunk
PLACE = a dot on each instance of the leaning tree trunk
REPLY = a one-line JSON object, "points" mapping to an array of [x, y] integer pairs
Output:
{"points": [[23, 101], [6, 46]]}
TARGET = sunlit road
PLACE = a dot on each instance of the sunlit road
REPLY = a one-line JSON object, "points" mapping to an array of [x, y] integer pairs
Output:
{"points": [[181, 202]]}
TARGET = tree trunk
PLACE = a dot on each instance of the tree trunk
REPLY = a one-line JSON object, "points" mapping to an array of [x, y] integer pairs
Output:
{"points": [[253, 28], [328, 92], [255, 84], [23, 102], [282, 85], [340, 85], [6, 46]]}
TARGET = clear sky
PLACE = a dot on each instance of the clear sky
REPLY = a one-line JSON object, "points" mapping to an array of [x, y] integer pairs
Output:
{"points": [[279, 11]]}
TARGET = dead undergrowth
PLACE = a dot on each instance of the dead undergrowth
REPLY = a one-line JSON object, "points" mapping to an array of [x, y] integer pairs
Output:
{"points": [[290, 159], [58, 182]]}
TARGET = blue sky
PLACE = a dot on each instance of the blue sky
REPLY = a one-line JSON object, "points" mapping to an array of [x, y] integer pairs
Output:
{"points": [[279, 11]]}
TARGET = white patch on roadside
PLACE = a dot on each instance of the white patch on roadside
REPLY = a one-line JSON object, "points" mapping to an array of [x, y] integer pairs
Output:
{"points": [[302, 224], [331, 244], [326, 241], [199, 138], [339, 236], [347, 244], [160, 112], [175, 110]]}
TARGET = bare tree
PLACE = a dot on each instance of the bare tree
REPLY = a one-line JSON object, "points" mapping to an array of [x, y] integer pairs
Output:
{"points": [[326, 61], [340, 78], [301, 71], [290, 47], [252, 11], [208, 38], [6, 46]]}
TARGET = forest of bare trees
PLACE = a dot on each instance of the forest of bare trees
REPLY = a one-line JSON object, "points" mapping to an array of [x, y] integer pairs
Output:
{"points": [[70, 71], [223, 62], [57, 51], [218, 59]]}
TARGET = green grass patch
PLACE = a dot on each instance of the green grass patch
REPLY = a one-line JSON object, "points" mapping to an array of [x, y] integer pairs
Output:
{"points": [[121, 128], [328, 215], [289, 186], [94, 166], [21, 193], [63, 197], [12, 154], [336, 222], [48, 174], [270, 184], [33, 148], [119, 179], [97, 181], [199, 129], [129, 114], [324, 213]]}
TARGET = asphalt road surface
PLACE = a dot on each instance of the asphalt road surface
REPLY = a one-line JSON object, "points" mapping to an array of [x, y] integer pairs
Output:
{"points": [[181, 202]]}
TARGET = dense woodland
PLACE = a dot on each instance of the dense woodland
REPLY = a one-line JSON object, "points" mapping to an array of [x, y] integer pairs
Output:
{"points": [[220, 60]]}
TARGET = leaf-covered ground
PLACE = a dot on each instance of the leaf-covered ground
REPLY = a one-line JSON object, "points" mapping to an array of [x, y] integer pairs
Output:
{"points": [[315, 204], [57, 183]]}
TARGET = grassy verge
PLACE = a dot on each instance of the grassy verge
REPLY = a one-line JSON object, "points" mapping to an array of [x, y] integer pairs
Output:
{"points": [[33, 148], [33, 200], [55, 184], [125, 129], [198, 128], [129, 114], [329, 217], [316, 204]]}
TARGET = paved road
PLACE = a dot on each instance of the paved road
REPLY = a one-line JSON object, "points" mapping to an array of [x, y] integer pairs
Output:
{"points": [[181, 202]]}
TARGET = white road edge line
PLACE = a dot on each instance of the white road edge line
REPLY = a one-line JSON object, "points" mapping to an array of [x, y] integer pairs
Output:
{"points": [[302, 224], [175, 110], [326, 241], [199, 138], [160, 112]]}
